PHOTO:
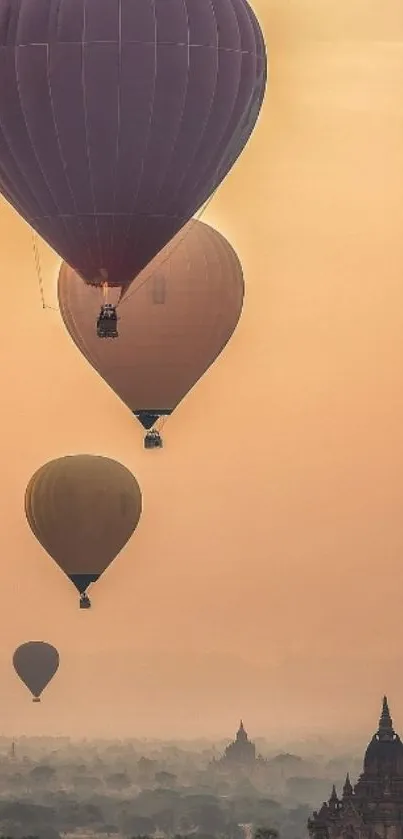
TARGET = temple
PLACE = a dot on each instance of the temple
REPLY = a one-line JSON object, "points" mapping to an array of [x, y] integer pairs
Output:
{"points": [[373, 808], [241, 750]]}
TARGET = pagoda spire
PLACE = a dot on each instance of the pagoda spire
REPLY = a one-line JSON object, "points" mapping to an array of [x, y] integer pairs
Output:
{"points": [[333, 800], [385, 720], [385, 730], [241, 733], [347, 789]]}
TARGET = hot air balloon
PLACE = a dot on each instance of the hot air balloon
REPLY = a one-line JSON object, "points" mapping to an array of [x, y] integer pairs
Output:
{"points": [[174, 322], [36, 662], [83, 509], [118, 120]]}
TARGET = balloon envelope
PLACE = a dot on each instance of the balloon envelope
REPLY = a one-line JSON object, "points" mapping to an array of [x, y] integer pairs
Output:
{"points": [[119, 118], [83, 509], [173, 323], [36, 662]]}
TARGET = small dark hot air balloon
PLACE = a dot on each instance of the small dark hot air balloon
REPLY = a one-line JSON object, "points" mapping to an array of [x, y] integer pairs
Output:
{"points": [[83, 509], [119, 118], [173, 323], [36, 662]]}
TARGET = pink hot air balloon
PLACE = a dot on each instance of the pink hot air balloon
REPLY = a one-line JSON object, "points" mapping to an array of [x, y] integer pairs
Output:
{"points": [[173, 323]]}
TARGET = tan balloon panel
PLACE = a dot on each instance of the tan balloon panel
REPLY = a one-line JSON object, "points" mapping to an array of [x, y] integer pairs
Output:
{"points": [[83, 509], [177, 319]]}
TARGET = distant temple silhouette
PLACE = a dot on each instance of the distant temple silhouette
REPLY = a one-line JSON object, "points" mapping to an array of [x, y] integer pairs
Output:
{"points": [[241, 752], [373, 808]]}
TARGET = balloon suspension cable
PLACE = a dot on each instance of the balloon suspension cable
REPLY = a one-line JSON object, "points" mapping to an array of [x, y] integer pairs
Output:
{"points": [[39, 272], [159, 425], [179, 242]]}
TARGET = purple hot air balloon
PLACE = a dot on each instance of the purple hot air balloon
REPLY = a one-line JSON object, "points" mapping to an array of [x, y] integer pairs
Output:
{"points": [[119, 118]]}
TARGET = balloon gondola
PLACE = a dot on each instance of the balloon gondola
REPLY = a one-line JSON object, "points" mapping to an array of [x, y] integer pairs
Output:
{"points": [[107, 323], [153, 440], [85, 602]]}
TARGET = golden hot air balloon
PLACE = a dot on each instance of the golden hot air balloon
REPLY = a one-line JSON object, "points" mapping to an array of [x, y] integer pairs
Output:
{"points": [[83, 509], [36, 662], [172, 325]]}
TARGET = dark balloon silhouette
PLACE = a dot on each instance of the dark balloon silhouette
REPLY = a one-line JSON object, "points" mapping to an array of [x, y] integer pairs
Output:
{"points": [[173, 323], [36, 662], [83, 509], [118, 119]]}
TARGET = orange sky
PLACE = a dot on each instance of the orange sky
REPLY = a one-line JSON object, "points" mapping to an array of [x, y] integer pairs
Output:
{"points": [[265, 578]]}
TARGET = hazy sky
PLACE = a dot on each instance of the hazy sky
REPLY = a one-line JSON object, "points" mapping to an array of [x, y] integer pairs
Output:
{"points": [[265, 578]]}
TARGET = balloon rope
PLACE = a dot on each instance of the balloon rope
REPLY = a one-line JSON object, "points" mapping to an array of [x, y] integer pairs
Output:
{"points": [[160, 423], [39, 271], [38, 267], [179, 242]]}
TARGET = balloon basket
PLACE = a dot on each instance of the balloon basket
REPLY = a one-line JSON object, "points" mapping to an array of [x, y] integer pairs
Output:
{"points": [[36, 699], [107, 323], [153, 440], [85, 603]]}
